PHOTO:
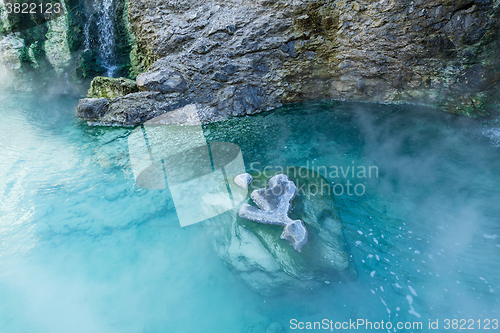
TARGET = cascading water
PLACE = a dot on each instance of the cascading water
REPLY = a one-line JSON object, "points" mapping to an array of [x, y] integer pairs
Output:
{"points": [[105, 25], [86, 32], [103, 13]]}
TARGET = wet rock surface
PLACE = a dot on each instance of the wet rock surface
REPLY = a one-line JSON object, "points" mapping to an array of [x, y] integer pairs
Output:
{"points": [[270, 265], [477, 78], [241, 58], [129, 110]]}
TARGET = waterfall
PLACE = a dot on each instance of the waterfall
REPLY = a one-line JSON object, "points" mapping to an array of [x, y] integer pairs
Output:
{"points": [[103, 14], [86, 32], [106, 29]]}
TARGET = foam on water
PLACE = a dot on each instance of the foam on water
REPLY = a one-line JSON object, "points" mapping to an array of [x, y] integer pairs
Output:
{"points": [[492, 131], [83, 249]]}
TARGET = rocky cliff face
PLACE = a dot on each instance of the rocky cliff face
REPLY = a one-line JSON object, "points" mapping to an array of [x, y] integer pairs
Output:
{"points": [[242, 57]]}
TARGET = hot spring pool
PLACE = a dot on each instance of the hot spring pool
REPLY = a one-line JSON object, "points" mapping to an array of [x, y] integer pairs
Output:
{"points": [[84, 249]]}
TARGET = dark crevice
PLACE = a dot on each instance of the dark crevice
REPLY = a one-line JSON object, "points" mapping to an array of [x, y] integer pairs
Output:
{"points": [[465, 6]]}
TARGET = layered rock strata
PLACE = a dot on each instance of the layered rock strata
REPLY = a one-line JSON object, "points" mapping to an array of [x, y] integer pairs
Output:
{"points": [[243, 57]]}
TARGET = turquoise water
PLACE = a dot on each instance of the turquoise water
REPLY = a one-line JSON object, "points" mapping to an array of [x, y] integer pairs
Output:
{"points": [[83, 249]]}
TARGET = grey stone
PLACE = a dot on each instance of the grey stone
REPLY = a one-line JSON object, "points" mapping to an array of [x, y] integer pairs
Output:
{"points": [[361, 85], [203, 46], [92, 108], [291, 49], [477, 78], [261, 67], [398, 81], [128, 110], [220, 77], [347, 24], [310, 55], [165, 80], [230, 29], [230, 69], [243, 180], [466, 27], [248, 99]]}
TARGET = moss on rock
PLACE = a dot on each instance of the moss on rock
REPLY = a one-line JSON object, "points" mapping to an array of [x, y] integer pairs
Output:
{"points": [[110, 87], [56, 46]]}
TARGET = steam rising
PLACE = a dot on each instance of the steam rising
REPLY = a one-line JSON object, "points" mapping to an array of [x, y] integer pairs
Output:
{"points": [[84, 249]]}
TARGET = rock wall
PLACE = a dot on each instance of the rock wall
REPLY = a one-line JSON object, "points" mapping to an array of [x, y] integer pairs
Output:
{"points": [[241, 57], [244, 57]]}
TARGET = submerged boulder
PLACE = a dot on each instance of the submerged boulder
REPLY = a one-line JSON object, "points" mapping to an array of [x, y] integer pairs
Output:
{"points": [[275, 203], [267, 262]]}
